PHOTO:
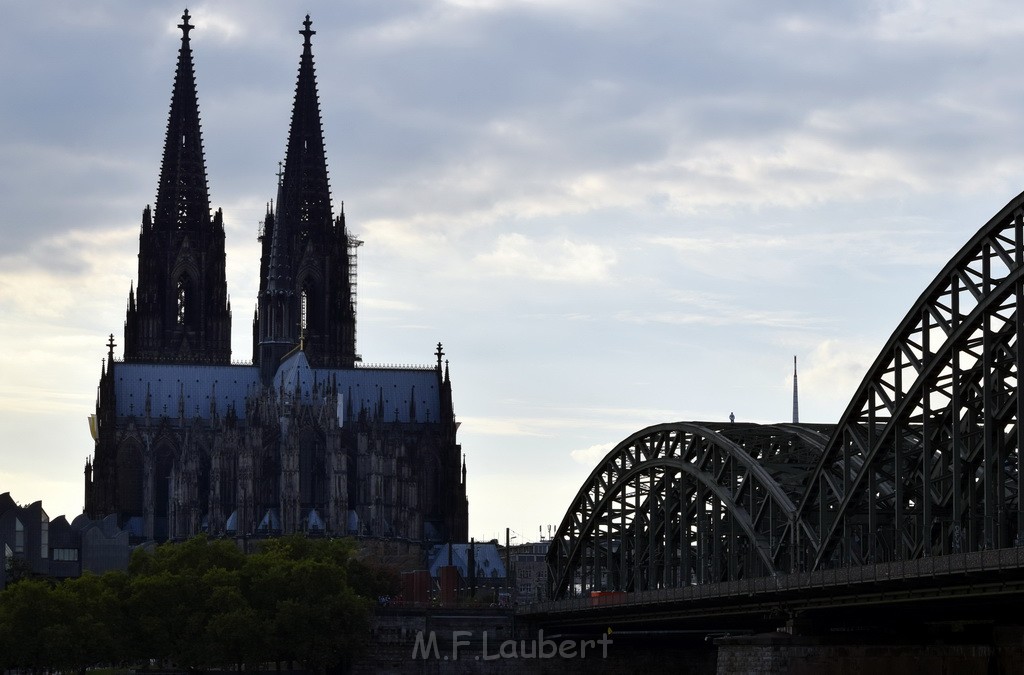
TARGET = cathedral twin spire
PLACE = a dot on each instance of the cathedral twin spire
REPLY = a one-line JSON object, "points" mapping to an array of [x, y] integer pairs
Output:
{"points": [[305, 197], [183, 195], [179, 311], [306, 292]]}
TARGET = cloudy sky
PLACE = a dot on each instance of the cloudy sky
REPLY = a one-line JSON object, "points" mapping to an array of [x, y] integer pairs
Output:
{"points": [[612, 213]]}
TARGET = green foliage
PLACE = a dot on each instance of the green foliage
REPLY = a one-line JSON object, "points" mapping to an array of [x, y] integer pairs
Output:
{"points": [[28, 611], [299, 589], [372, 580], [198, 604], [17, 569], [94, 620]]}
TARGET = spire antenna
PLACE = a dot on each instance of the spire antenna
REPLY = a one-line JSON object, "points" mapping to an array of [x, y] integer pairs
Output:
{"points": [[796, 402]]}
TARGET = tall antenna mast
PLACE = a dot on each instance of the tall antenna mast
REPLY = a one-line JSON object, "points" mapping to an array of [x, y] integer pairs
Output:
{"points": [[796, 401]]}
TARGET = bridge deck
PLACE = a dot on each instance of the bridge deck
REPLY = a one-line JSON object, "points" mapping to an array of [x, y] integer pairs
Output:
{"points": [[973, 575]]}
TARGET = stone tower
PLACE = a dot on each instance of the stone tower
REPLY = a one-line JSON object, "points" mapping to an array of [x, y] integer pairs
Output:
{"points": [[307, 266], [180, 311]]}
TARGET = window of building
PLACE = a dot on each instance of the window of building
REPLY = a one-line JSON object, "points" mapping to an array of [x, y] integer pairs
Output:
{"points": [[44, 535], [19, 537], [65, 554], [304, 310]]}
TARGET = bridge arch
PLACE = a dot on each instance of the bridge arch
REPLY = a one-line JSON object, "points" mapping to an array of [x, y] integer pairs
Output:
{"points": [[938, 417], [683, 503], [924, 461]]}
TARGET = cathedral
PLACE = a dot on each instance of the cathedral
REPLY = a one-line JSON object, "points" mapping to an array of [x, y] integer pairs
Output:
{"points": [[303, 439]]}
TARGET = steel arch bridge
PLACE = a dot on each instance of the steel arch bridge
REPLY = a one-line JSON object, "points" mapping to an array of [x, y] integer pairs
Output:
{"points": [[923, 462]]}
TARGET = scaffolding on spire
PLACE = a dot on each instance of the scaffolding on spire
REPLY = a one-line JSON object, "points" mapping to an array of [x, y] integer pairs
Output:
{"points": [[353, 243]]}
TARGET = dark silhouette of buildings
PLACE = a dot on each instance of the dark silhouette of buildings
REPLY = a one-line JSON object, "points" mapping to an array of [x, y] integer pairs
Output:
{"points": [[304, 439], [35, 546]]}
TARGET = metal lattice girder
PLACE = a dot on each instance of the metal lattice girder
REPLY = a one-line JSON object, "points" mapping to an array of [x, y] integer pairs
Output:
{"points": [[929, 446], [683, 503]]}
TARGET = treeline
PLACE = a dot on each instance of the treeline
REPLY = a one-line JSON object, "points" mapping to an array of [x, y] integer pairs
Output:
{"points": [[200, 604]]}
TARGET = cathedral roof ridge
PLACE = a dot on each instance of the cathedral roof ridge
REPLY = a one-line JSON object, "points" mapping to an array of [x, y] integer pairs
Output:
{"points": [[393, 366], [293, 366], [163, 385]]}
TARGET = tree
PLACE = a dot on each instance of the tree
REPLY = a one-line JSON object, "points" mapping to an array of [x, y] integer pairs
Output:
{"points": [[197, 604], [234, 631], [17, 569], [92, 624], [373, 580], [299, 588], [29, 610], [177, 593]]}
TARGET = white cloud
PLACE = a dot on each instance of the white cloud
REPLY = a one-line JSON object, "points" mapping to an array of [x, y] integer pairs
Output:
{"points": [[83, 268], [834, 369], [592, 455], [218, 24], [945, 22], [387, 304], [559, 260]]}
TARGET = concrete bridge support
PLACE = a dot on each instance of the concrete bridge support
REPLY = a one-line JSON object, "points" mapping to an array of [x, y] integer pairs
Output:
{"points": [[970, 651]]}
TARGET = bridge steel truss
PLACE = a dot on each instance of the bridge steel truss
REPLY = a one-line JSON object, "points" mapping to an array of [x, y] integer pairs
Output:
{"points": [[929, 447], [684, 503], [923, 462]]}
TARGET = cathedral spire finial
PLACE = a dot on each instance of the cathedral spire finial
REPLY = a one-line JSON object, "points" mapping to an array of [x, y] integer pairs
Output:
{"points": [[185, 26], [306, 32]]}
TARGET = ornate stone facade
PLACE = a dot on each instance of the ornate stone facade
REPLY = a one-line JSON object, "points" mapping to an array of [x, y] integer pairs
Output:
{"points": [[303, 440]]}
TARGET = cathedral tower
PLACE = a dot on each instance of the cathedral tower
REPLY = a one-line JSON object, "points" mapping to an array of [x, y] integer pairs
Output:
{"points": [[306, 286], [180, 311]]}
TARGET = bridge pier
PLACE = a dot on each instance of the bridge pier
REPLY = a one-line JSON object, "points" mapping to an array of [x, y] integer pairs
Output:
{"points": [[966, 650]]}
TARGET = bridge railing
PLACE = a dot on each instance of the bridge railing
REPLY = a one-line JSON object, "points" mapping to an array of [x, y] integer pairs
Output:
{"points": [[952, 565]]}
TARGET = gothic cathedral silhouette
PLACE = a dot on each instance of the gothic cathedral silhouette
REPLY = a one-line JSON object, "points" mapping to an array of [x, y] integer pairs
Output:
{"points": [[305, 439]]}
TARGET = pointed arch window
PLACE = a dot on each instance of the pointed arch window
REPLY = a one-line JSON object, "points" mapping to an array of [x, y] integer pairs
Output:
{"points": [[182, 297], [304, 310], [130, 476]]}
